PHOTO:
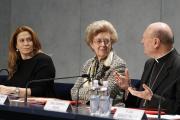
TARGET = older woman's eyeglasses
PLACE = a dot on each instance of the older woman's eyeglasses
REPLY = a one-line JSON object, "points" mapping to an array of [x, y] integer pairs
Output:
{"points": [[99, 41]]}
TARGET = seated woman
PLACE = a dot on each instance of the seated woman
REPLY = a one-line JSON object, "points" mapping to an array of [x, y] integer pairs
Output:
{"points": [[100, 36], [27, 62]]}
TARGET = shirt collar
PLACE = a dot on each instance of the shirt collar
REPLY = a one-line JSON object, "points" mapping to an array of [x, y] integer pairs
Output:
{"points": [[157, 59]]}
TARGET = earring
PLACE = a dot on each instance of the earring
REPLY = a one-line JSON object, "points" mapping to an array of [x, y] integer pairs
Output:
{"points": [[17, 50]]}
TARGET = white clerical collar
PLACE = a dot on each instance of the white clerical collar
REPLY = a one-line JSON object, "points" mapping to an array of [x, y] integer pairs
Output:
{"points": [[156, 59]]}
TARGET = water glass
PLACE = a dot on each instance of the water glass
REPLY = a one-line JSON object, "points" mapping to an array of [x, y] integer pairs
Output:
{"points": [[105, 106], [94, 104]]}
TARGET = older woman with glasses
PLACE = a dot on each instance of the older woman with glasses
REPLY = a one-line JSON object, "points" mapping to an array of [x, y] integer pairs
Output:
{"points": [[100, 36]]}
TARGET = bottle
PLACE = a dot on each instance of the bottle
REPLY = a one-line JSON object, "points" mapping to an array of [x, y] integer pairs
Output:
{"points": [[105, 102], [94, 98]]}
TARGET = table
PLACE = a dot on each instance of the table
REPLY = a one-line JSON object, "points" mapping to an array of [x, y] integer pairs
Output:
{"points": [[20, 111]]}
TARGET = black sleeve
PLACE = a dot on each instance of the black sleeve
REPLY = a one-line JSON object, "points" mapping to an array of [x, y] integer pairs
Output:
{"points": [[170, 104], [44, 69], [131, 101]]}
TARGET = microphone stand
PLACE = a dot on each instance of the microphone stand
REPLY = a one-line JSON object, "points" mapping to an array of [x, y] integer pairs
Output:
{"points": [[77, 105], [49, 79], [159, 109]]}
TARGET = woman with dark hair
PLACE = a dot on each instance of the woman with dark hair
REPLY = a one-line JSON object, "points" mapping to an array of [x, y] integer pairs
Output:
{"points": [[27, 62]]}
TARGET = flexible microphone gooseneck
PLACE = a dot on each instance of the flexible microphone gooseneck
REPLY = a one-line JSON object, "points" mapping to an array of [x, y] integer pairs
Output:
{"points": [[77, 104], [159, 105], [49, 79]]}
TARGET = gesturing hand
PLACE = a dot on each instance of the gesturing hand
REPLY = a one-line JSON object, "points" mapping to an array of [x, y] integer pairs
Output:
{"points": [[122, 81], [146, 94]]}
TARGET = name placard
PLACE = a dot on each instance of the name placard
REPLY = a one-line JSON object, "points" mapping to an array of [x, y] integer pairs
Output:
{"points": [[3, 99], [128, 114], [56, 105]]}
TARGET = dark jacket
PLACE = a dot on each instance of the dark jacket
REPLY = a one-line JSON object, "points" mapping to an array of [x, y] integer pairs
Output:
{"points": [[169, 74]]}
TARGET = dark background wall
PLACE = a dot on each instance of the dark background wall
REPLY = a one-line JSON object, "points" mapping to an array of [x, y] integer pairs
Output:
{"points": [[60, 25]]}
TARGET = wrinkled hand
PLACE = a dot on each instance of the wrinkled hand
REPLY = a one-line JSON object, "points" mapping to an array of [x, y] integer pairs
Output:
{"points": [[6, 90], [122, 81], [146, 94]]}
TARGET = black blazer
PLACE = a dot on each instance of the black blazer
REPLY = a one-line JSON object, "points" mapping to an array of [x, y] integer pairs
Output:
{"points": [[169, 73]]}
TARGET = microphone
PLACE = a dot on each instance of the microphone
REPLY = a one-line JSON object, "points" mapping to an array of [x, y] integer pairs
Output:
{"points": [[159, 105], [1, 70], [101, 73], [50, 79], [4, 77]]}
